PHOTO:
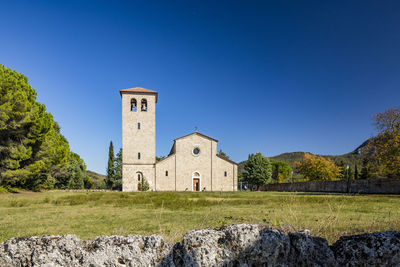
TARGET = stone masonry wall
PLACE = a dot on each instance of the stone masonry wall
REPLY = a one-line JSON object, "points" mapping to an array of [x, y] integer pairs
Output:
{"points": [[376, 186], [236, 245]]}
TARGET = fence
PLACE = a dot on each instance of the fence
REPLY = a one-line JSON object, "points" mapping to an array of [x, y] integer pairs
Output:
{"points": [[375, 186]]}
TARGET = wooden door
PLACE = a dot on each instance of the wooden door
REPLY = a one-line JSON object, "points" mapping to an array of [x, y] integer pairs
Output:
{"points": [[196, 184]]}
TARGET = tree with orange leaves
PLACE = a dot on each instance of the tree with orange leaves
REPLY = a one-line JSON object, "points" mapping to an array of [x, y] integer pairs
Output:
{"points": [[317, 168]]}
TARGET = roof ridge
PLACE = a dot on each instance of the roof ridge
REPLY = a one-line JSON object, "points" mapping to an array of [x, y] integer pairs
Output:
{"points": [[196, 132]]}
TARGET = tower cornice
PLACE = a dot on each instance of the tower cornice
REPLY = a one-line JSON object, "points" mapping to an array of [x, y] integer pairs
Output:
{"points": [[138, 90]]}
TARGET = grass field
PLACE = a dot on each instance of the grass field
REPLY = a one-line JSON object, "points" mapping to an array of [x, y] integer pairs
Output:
{"points": [[172, 214]]}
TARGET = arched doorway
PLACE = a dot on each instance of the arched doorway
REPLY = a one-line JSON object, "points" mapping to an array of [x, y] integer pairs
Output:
{"points": [[139, 176], [196, 181]]}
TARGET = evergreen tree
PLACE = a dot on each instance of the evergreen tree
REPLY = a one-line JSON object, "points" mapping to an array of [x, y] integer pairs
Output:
{"points": [[355, 172], [110, 166], [365, 170], [77, 177], [350, 173], [33, 153], [118, 171]]}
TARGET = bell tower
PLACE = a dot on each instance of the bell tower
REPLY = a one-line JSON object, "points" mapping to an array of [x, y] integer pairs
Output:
{"points": [[138, 137]]}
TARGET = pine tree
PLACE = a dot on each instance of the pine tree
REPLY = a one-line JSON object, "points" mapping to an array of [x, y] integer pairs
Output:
{"points": [[110, 167], [33, 153]]}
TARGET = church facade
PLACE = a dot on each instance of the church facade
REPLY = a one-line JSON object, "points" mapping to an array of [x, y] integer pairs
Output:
{"points": [[192, 164]]}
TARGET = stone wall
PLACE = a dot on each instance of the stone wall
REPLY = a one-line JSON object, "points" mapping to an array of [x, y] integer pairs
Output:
{"points": [[236, 245], [376, 186], [164, 182]]}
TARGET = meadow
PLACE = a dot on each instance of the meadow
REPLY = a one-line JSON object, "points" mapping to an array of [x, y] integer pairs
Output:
{"points": [[91, 214]]}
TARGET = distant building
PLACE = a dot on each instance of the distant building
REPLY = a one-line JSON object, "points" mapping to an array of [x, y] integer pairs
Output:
{"points": [[192, 164]]}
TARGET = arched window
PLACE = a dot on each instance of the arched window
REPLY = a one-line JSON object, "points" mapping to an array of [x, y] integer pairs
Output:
{"points": [[133, 104], [139, 176], [144, 105]]}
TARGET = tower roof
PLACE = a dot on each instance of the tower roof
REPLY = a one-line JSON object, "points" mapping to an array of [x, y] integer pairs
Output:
{"points": [[139, 90]]}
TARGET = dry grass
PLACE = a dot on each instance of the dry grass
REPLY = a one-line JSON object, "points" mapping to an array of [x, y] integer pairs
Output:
{"points": [[172, 214]]}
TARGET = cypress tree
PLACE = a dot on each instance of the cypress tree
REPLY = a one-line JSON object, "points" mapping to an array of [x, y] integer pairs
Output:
{"points": [[365, 170], [355, 172], [118, 171], [110, 166]]}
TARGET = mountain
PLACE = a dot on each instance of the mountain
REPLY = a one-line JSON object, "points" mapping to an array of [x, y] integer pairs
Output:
{"points": [[351, 158]]}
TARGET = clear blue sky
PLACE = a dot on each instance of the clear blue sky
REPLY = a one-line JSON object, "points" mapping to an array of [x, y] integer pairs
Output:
{"points": [[267, 76]]}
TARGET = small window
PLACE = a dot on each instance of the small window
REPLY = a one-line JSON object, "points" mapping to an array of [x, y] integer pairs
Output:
{"points": [[166, 173], [144, 105], [138, 125], [138, 177], [225, 174], [138, 155], [133, 104], [196, 151]]}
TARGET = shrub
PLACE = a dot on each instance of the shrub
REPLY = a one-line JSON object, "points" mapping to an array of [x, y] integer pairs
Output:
{"points": [[144, 185]]}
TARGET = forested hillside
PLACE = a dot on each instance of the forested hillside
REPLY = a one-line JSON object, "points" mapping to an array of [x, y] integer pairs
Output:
{"points": [[34, 155], [352, 158], [97, 179]]}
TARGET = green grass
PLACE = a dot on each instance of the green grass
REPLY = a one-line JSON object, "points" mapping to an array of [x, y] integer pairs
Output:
{"points": [[172, 214]]}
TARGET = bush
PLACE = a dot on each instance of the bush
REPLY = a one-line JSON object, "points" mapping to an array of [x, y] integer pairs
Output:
{"points": [[8, 189], [88, 184], [144, 185], [102, 185]]}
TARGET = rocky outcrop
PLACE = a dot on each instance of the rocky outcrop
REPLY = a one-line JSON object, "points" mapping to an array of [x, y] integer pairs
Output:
{"points": [[236, 245], [68, 250], [377, 249]]}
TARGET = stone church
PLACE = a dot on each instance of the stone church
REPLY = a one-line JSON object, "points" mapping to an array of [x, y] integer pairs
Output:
{"points": [[192, 164]]}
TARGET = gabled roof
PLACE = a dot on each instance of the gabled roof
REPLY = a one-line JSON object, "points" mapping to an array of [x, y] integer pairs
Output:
{"points": [[173, 151], [203, 135], [228, 160], [139, 90]]}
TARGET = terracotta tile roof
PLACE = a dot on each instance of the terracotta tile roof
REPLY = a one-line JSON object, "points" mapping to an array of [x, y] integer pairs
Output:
{"points": [[139, 90]]}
